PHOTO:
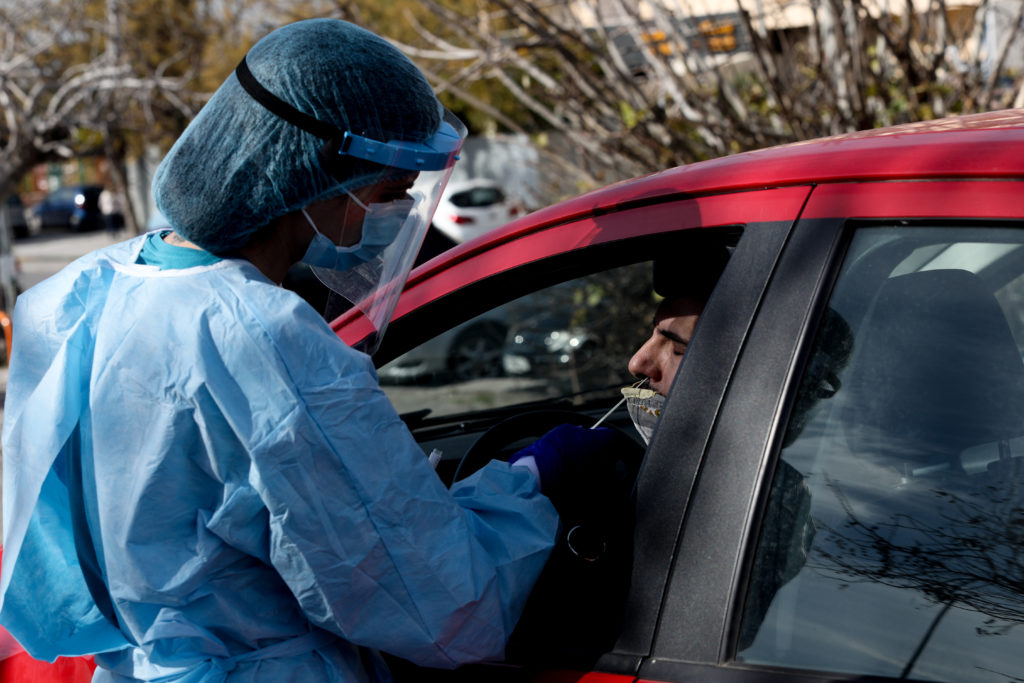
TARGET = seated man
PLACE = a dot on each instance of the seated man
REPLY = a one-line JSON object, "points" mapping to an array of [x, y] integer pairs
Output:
{"points": [[685, 283], [589, 474]]}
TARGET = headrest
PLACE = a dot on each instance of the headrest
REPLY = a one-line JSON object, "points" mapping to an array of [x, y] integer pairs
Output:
{"points": [[935, 368]]}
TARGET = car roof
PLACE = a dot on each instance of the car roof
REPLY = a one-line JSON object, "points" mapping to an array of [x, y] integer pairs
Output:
{"points": [[980, 145], [985, 145]]}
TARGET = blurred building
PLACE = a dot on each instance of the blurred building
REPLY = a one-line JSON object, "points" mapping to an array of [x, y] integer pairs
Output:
{"points": [[702, 33]]}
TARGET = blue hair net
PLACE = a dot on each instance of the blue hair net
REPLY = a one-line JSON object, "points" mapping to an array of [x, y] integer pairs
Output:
{"points": [[238, 166]]}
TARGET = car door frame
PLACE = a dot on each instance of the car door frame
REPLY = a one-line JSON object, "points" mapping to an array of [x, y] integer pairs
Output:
{"points": [[702, 607]]}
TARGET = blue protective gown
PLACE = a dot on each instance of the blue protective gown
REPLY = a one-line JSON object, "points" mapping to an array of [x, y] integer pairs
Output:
{"points": [[259, 510]]}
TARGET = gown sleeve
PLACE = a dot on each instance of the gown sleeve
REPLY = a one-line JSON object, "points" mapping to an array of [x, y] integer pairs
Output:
{"points": [[362, 530]]}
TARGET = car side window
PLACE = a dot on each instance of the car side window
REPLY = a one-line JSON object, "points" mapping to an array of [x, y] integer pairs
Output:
{"points": [[898, 499], [572, 339], [478, 196]]}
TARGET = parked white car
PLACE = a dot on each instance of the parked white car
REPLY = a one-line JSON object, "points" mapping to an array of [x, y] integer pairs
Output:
{"points": [[472, 207]]}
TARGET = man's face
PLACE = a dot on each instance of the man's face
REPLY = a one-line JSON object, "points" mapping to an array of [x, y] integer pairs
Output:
{"points": [[659, 357]]}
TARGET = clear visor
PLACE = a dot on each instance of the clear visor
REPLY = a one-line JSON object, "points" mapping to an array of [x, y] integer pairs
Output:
{"points": [[374, 286]]}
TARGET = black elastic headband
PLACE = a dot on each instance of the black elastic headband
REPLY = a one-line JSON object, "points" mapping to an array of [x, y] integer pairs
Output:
{"points": [[324, 131]]}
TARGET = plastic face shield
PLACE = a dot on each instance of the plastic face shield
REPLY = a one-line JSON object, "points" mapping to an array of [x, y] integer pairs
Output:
{"points": [[374, 286]]}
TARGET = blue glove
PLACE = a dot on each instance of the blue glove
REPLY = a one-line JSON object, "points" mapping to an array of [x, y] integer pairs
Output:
{"points": [[568, 452]]}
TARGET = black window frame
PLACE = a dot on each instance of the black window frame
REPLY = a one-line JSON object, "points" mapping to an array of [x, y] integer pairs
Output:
{"points": [[703, 600]]}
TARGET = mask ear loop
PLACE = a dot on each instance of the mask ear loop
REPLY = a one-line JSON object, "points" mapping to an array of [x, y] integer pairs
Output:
{"points": [[310, 221], [312, 224], [358, 202]]}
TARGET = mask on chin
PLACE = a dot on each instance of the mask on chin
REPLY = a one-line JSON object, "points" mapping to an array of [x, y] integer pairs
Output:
{"points": [[644, 407]]}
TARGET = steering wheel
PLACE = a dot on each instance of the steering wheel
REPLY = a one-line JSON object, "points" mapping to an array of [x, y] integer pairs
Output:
{"points": [[490, 444], [574, 612]]}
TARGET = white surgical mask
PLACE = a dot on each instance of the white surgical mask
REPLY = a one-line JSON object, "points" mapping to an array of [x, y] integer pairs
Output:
{"points": [[381, 224], [644, 408]]}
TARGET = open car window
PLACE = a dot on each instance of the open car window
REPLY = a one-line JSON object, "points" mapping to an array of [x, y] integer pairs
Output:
{"points": [[570, 340], [898, 500]]}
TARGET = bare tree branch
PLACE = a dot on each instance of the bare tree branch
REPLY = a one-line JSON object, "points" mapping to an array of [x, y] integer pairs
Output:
{"points": [[64, 79], [638, 86]]}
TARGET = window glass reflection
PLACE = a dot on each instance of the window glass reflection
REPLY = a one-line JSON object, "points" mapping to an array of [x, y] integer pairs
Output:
{"points": [[893, 543]]}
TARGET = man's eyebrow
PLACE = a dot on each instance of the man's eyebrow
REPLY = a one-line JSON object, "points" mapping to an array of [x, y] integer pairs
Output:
{"points": [[669, 334]]}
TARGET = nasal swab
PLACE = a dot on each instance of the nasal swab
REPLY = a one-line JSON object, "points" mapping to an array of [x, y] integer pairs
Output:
{"points": [[614, 407], [605, 416]]}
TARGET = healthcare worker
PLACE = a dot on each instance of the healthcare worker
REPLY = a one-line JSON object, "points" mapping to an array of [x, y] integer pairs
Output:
{"points": [[201, 482]]}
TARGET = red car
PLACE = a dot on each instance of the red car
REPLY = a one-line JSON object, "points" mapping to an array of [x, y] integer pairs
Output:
{"points": [[835, 489]]}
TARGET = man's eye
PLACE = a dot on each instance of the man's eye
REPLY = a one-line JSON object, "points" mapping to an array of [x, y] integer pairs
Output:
{"points": [[678, 349]]}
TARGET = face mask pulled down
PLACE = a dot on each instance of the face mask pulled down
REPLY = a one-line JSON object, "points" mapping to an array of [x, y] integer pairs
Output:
{"points": [[644, 408]]}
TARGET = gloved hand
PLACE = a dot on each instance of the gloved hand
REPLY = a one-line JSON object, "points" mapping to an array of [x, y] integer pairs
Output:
{"points": [[568, 453]]}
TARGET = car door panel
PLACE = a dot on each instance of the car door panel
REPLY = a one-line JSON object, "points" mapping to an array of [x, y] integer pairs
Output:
{"points": [[698, 626]]}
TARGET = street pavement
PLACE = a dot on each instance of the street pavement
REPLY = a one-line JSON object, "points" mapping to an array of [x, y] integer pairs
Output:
{"points": [[43, 255]]}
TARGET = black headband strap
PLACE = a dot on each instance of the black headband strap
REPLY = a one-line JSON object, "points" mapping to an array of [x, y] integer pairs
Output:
{"points": [[276, 105]]}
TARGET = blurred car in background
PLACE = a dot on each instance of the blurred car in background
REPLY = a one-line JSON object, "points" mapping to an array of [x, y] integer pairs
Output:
{"points": [[542, 345], [551, 335], [14, 216], [75, 207], [471, 350], [470, 208], [574, 333]]}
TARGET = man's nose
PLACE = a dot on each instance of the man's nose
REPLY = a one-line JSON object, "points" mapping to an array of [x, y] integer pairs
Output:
{"points": [[642, 364]]}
